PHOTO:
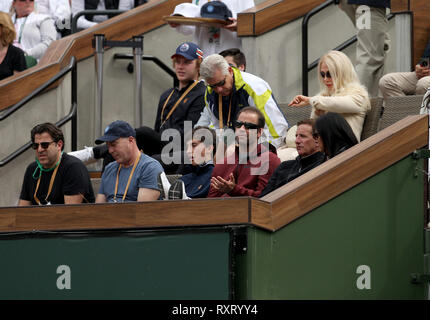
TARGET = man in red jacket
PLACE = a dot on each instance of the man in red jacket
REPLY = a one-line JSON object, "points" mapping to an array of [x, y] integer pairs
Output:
{"points": [[247, 171]]}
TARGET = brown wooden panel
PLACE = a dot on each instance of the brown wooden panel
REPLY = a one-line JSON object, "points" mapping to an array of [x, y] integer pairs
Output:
{"points": [[347, 170], [272, 14], [261, 214], [126, 215], [399, 5]]}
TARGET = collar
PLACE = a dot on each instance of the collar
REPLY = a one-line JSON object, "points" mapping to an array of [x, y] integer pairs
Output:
{"points": [[305, 161], [186, 87]]}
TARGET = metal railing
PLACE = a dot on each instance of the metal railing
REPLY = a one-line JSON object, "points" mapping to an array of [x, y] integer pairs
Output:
{"points": [[71, 116], [158, 62]]}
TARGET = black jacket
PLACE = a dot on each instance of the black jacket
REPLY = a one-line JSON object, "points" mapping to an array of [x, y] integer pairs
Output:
{"points": [[289, 170], [189, 108], [371, 3], [92, 5]]}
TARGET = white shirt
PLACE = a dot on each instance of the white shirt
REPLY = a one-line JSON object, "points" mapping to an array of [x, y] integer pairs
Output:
{"points": [[35, 33], [58, 9], [5, 5], [79, 5], [214, 40]]}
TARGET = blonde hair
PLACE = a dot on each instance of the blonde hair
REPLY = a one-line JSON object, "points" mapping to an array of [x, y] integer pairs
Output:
{"points": [[8, 33], [342, 73]]}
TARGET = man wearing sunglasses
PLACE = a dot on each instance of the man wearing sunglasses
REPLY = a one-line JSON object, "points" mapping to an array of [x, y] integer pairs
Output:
{"points": [[230, 90], [246, 172], [55, 177]]}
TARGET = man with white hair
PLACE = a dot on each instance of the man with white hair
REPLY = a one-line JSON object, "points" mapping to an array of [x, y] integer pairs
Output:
{"points": [[229, 90]]}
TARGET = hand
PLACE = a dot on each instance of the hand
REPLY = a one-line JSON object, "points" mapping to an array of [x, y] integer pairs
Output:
{"points": [[232, 26], [421, 71], [222, 185], [299, 101], [319, 112], [175, 25]]}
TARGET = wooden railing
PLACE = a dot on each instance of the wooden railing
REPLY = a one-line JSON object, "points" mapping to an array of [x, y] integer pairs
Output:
{"points": [[122, 27], [271, 212]]}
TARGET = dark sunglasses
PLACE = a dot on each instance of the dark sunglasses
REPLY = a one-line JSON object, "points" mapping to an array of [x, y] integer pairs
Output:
{"points": [[25, 0], [219, 84], [44, 145], [247, 125], [325, 74]]}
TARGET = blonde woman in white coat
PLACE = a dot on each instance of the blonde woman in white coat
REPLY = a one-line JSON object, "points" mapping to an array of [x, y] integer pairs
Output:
{"points": [[341, 92]]}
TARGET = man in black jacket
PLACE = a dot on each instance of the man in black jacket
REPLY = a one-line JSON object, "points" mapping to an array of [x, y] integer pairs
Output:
{"points": [[178, 108], [309, 157]]}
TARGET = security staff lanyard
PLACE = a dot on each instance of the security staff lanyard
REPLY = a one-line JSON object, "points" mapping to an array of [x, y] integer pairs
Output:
{"points": [[51, 183], [129, 178], [221, 123], [176, 104], [21, 29]]}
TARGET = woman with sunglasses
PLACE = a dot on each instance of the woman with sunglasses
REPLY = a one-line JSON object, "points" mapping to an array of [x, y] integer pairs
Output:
{"points": [[341, 92], [35, 31], [12, 59]]}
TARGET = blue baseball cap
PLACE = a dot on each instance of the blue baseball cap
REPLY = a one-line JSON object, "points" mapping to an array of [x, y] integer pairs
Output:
{"points": [[117, 129], [189, 50], [215, 10]]}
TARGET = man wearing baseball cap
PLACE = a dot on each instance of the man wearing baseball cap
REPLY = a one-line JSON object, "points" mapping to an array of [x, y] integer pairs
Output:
{"points": [[176, 105], [133, 175]]}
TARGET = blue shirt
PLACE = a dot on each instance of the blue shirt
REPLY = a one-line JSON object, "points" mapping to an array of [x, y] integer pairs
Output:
{"points": [[198, 182], [145, 176]]}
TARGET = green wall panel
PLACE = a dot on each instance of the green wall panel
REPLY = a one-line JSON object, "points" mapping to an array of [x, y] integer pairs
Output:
{"points": [[178, 265], [377, 224]]}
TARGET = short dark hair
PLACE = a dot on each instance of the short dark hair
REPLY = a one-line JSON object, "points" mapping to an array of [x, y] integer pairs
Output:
{"points": [[50, 128], [335, 133], [261, 120], [237, 55], [203, 137], [310, 122]]}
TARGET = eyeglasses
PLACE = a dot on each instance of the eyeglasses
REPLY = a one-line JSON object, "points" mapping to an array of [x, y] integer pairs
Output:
{"points": [[219, 84], [325, 74], [248, 125], [25, 0], [44, 145]]}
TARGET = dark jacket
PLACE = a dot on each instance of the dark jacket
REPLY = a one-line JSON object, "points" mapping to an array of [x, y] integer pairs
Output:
{"points": [[289, 170], [198, 180], [189, 108], [372, 3], [92, 5], [426, 53]]}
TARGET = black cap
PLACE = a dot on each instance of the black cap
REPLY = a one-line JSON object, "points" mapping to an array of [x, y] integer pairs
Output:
{"points": [[215, 10], [117, 129]]}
